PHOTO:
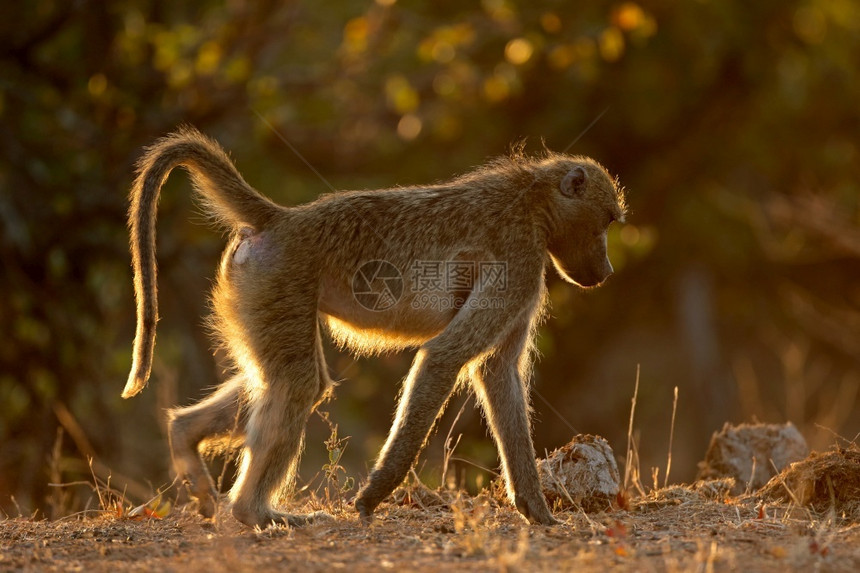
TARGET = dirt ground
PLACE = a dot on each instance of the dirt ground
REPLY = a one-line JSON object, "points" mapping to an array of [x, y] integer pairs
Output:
{"points": [[679, 528], [805, 518]]}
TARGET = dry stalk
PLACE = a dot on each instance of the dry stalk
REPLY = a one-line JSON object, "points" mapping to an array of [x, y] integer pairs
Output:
{"points": [[448, 451], [671, 438], [630, 473]]}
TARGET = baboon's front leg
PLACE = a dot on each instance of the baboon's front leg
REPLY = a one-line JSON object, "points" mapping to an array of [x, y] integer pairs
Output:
{"points": [[426, 389], [504, 397], [476, 329], [218, 415]]}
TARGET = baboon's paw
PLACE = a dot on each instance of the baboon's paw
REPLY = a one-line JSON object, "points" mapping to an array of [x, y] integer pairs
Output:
{"points": [[299, 520], [204, 493], [535, 511], [365, 510], [268, 518], [546, 520], [207, 504]]}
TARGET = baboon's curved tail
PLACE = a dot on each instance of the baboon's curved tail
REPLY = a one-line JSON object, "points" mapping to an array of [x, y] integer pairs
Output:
{"points": [[226, 196]]}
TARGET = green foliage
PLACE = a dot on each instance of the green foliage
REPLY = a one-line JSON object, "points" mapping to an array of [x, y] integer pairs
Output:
{"points": [[733, 125]]}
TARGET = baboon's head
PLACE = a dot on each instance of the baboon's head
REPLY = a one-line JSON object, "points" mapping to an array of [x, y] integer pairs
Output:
{"points": [[584, 201]]}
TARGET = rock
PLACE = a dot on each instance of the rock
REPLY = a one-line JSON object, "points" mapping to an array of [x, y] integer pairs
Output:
{"points": [[581, 474], [823, 481], [752, 454]]}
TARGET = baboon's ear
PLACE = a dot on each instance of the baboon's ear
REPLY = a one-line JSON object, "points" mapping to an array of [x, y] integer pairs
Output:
{"points": [[574, 182]]}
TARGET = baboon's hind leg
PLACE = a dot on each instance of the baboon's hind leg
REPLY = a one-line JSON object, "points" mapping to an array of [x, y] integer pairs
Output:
{"points": [[217, 416], [293, 384]]}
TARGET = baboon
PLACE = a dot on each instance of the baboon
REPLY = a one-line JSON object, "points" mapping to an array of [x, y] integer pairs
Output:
{"points": [[287, 271]]}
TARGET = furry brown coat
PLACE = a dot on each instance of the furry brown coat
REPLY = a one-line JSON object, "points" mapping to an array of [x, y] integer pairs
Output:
{"points": [[456, 269]]}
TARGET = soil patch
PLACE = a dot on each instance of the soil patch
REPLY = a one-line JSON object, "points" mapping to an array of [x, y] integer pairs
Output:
{"points": [[805, 518], [679, 528]]}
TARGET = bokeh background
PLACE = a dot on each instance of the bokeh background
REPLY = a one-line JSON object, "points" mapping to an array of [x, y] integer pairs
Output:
{"points": [[734, 126]]}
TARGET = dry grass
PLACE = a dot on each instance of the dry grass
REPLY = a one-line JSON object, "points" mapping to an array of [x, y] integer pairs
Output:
{"points": [[825, 483], [679, 528], [806, 518]]}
